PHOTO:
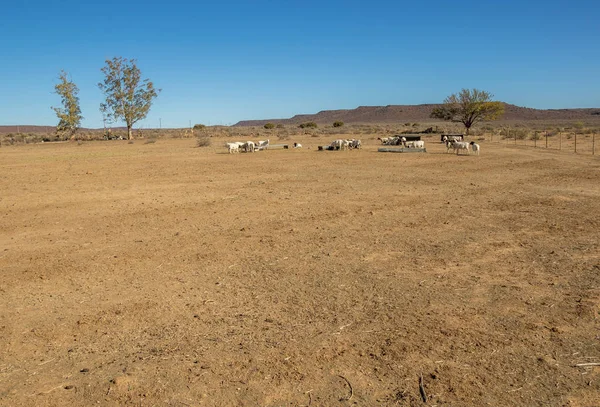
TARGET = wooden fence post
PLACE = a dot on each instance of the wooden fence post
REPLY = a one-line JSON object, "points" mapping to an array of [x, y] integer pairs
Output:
{"points": [[575, 143], [593, 143], [560, 140], [546, 140], [534, 139]]}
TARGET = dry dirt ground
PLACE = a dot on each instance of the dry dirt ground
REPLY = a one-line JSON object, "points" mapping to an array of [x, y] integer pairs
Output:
{"points": [[167, 275]]}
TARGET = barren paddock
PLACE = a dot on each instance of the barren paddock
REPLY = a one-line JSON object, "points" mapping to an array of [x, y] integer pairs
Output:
{"points": [[166, 275]]}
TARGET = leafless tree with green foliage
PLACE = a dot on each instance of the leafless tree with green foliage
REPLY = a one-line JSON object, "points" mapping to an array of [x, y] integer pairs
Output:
{"points": [[468, 108], [128, 97], [70, 114]]}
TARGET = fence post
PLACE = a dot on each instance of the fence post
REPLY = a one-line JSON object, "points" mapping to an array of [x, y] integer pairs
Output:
{"points": [[575, 143], [560, 140], [593, 143], [535, 139], [546, 140]]}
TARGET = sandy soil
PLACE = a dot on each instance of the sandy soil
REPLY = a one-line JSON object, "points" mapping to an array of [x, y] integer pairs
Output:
{"points": [[167, 275]]}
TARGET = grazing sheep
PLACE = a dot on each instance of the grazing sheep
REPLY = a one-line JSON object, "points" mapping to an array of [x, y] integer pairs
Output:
{"points": [[414, 144], [297, 145], [449, 144], [337, 144], [233, 148], [475, 147], [354, 143], [384, 140], [249, 146], [460, 146], [262, 144]]}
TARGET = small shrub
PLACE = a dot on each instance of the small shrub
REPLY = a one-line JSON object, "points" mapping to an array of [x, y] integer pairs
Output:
{"points": [[269, 126], [308, 125], [150, 141], [280, 126], [338, 124], [203, 141], [283, 136], [199, 127]]}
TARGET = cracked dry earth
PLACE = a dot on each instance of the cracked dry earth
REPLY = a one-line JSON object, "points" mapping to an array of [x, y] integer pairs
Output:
{"points": [[167, 275]]}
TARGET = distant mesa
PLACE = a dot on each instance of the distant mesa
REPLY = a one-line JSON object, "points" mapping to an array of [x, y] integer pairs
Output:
{"points": [[420, 113], [377, 114]]}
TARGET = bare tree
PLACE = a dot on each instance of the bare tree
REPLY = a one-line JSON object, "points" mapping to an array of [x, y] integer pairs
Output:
{"points": [[128, 97]]}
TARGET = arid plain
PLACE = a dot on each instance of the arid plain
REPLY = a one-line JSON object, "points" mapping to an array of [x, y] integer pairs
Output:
{"points": [[167, 275]]}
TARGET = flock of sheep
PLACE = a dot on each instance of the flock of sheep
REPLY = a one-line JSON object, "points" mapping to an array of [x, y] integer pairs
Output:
{"points": [[345, 144], [401, 141], [453, 143], [246, 147], [456, 144]]}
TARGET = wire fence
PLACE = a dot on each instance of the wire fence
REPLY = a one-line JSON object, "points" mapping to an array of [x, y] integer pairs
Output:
{"points": [[573, 142]]}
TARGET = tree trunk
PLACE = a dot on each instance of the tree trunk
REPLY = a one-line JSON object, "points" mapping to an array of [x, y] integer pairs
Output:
{"points": [[466, 132], [129, 132]]}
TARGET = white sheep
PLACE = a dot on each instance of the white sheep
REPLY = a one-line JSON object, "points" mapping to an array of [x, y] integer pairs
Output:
{"points": [[460, 146], [355, 143], [414, 144], [297, 145], [475, 147], [384, 140], [233, 147], [262, 144], [337, 144], [249, 146], [449, 144]]}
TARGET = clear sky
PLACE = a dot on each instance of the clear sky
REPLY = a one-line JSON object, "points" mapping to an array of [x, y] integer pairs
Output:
{"points": [[218, 62]]}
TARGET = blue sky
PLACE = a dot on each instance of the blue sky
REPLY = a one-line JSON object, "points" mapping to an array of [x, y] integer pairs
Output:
{"points": [[221, 62]]}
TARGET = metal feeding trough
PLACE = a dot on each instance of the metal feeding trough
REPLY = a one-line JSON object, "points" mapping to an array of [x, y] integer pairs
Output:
{"points": [[277, 147], [401, 150]]}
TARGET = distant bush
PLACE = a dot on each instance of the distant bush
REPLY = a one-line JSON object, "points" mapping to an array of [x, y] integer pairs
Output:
{"points": [[280, 126], [199, 127], [308, 125], [518, 133], [338, 124], [203, 141], [269, 126]]}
